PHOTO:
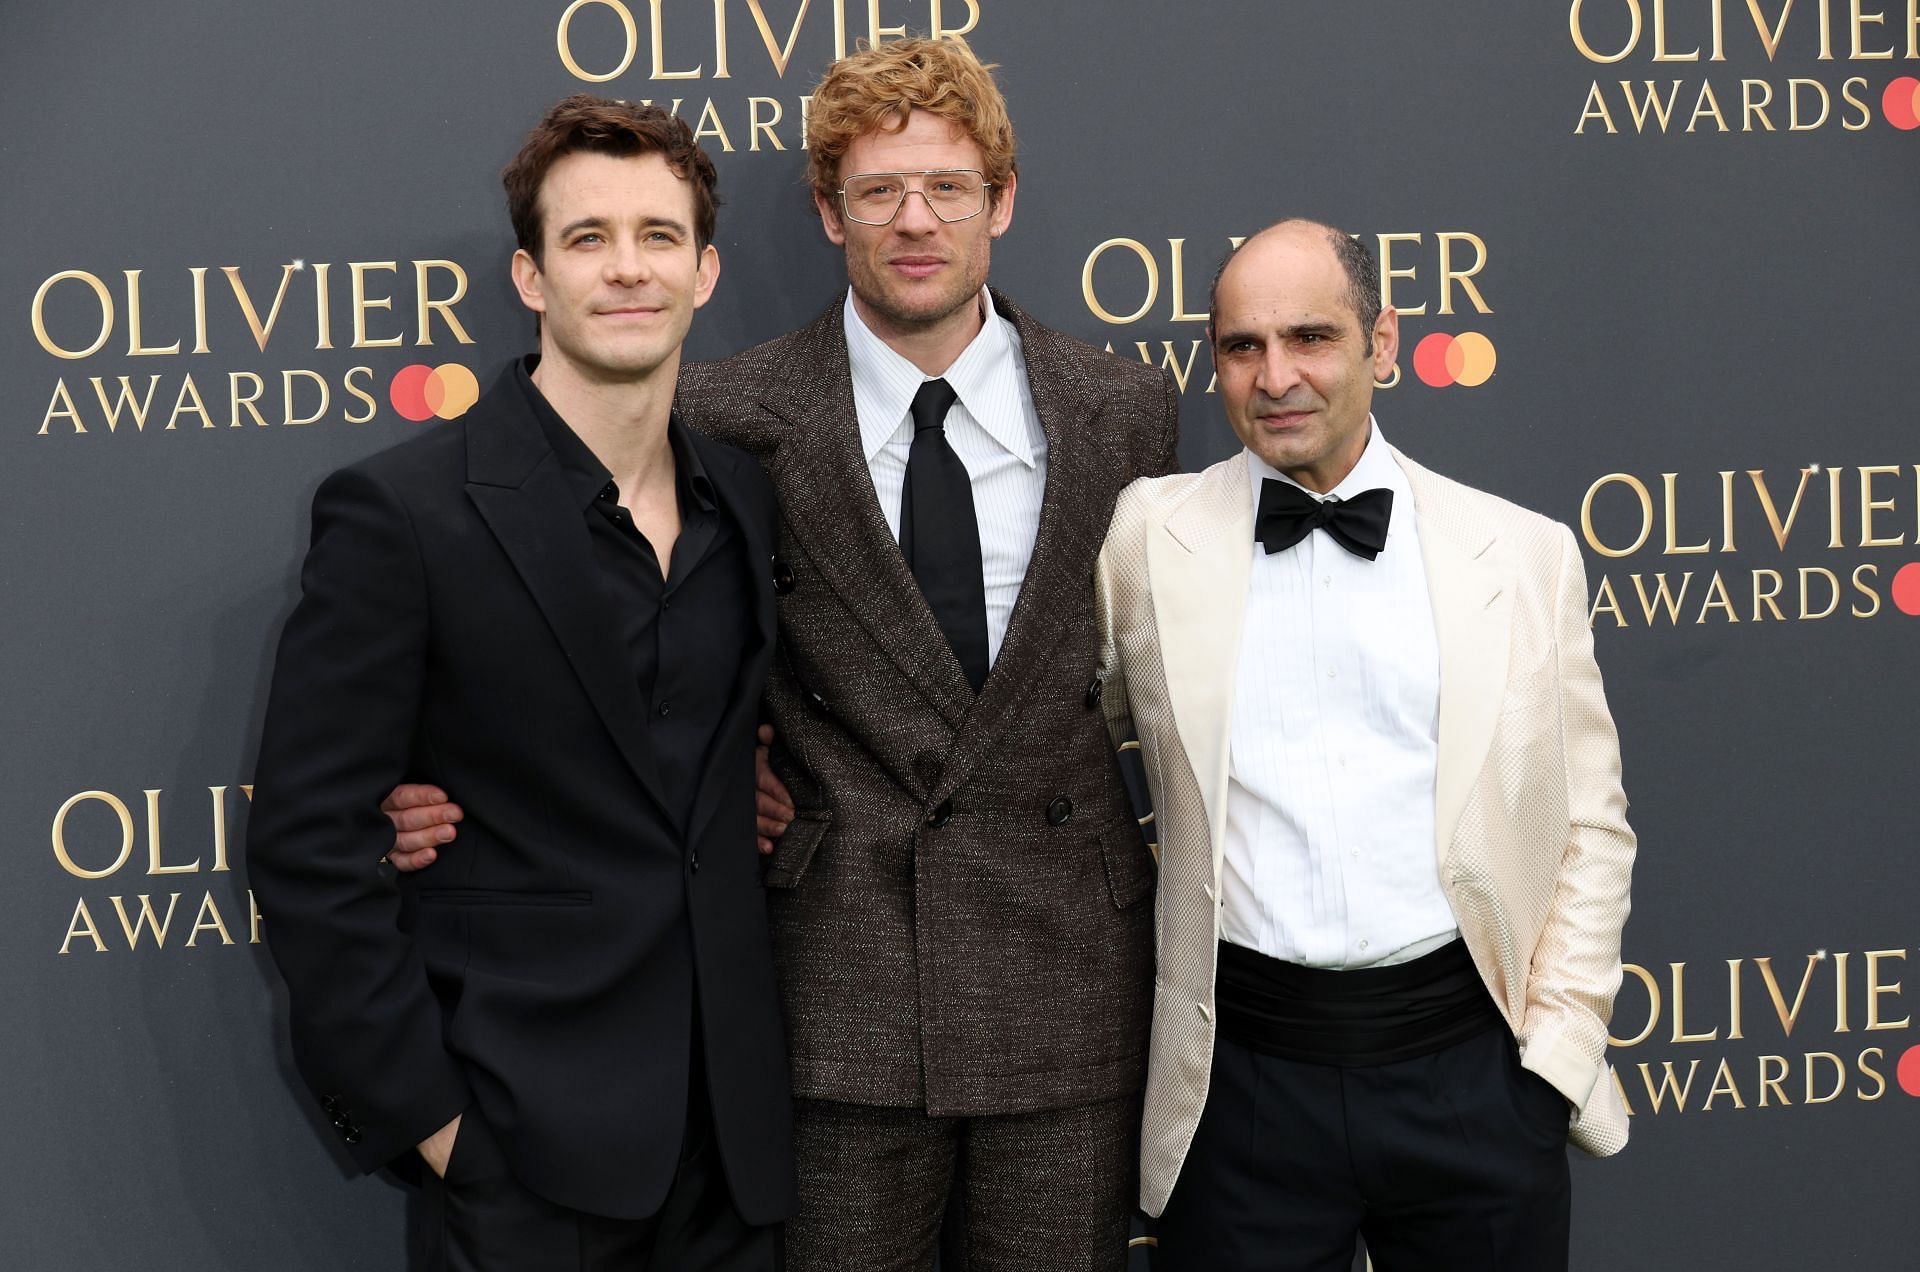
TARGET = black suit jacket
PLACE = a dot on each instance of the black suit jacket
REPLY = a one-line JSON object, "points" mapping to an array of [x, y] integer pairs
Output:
{"points": [[452, 629], [961, 909]]}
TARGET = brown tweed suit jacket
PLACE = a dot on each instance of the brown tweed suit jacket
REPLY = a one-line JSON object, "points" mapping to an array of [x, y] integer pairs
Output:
{"points": [[960, 909]]}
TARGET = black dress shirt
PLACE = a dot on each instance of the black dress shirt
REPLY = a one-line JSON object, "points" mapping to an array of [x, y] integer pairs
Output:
{"points": [[686, 630]]}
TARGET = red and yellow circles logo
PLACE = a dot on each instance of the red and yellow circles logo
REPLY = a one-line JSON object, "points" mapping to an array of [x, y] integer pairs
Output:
{"points": [[1442, 360], [1908, 1073], [1901, 104], [1906, 597], [420, 392]]}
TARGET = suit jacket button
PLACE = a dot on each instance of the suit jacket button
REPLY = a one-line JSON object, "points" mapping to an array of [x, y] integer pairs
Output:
{"points": [[331, 1103], [1059, 810], [941, 815], [351, 1135], [782, 577], [815, 701], [1093, 693]]}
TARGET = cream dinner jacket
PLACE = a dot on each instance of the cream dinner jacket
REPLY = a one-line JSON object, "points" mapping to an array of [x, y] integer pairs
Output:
{"points": [[1530, 829]]}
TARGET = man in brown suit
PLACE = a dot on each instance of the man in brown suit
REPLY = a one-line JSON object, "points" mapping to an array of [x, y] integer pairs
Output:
{"points": [[960, 904]]}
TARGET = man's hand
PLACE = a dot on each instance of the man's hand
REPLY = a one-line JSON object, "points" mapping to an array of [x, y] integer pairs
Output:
{"points": [[423, 818], [773, 804], [437, 1148]]}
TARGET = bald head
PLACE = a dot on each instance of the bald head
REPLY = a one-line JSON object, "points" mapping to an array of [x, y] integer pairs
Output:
{"points": [[1352, 256]]}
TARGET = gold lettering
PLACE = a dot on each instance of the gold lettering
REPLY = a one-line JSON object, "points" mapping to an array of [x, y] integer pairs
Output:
{"points": [[630, 31], [106, 314], [1663, 596], [346, 382], [65, 858], [1875, 989], [254, 919], [1848, 89], [1772, 1083], [1670, 1087], [1717, 588], [1868, 1071], [1770, 38], [1680, 1033], [1647, 979], [1605, 601], [61, 407], [710, 126], [756, 125], [1794, 86], [939, 31], [188, 389], [146, 919], [1704, 105], [1833, 584], [1388, 273], [1726, 510], [136, 347], [1177, 251], [779, 54], [323, 305], [1596, 108], [137, 408], [1860, 22], [1861, 587], [153, 842], [1839, 1077], [1640, 491], [208, 920], [1869, 505], [237, 399], [1170, 362], [286, 390], [1587, 50], [1788, 1017], [1723, 1084], [876, 32], [82, 924], [1099, 310], [1449, 275], [428, 306], [1835, 536], [1660, 53], [1766, 598], [1840, 1020], [1781, 529], [1734, 1031], [1755, 94], [219, 794], [1674, 547], [261, 331], [199, 273], [358, 271]]}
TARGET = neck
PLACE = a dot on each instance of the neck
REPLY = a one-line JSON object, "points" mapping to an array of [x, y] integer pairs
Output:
{"points": [[622, 421], [931, 346]]}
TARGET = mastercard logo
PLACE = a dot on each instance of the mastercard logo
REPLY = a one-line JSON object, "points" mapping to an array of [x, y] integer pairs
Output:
{"points": [[1442, 360], [1906, 596], [1901, 105], [1908, 1073], [420, 392]]}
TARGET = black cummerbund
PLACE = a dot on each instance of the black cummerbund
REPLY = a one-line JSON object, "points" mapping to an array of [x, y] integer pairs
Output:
{"points": [[1370, 1015]]}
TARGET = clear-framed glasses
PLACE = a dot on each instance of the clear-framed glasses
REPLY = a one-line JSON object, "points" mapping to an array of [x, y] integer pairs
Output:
{"points": [[874, 198]]}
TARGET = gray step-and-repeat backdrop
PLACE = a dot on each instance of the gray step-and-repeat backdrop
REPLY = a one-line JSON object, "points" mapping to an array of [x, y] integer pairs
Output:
{"points": [[1657, 263]]}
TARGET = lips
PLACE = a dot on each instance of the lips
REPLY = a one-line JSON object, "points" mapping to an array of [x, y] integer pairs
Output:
{"points": [[917, 266]]}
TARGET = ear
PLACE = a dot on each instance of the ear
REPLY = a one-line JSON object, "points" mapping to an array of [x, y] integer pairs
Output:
{"points": [[528, 282], [708, 276], [1386, 342], [1003, 205], [829, 210]]}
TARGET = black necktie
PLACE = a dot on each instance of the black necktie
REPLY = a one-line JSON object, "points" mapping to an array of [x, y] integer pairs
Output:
{"points": [[939, 535], [1288, 514]]}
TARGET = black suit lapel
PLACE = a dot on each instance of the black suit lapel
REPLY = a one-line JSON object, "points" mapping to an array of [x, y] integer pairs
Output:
{"points": [[749, 507], [516, 485], [830, 508]]}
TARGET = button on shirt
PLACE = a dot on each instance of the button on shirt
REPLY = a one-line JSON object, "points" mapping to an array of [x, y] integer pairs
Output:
{"points": [[686, 632], [1329, 856], [992, 427]]}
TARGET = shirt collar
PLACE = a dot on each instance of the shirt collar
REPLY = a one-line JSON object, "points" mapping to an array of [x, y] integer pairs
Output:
{"points": [[586, 477], [1374, 471], [884, 382]]}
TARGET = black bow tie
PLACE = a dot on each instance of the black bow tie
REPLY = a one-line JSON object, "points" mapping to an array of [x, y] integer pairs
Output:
{"points": [[1288, 514]]}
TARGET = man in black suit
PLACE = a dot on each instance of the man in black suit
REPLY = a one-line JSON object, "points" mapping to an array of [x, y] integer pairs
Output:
{"points": [[560, 606]]}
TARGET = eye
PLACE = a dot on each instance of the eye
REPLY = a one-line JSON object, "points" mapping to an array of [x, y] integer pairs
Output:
{"points": [[588, 239]]}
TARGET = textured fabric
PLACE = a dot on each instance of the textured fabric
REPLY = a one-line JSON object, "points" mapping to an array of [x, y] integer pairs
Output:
{"points": [[994, 429], [1328, 858], [1050, 1190], [1534, 851], [1454, 1161], [959, 910], [939, 536]]}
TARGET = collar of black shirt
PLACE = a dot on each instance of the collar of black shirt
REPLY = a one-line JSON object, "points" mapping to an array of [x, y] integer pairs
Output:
{"points": [[588, 478]]}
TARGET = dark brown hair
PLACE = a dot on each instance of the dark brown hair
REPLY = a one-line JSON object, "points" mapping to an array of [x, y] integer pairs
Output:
{"points": [[608, 127]]}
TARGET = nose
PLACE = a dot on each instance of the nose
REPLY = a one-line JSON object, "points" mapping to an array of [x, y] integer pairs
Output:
{"points": [[1278, 371], [625, 263], [916, 214]]}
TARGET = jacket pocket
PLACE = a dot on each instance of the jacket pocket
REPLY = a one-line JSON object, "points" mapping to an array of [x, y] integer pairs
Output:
{"points": [[1130, 868], [794, 851]]}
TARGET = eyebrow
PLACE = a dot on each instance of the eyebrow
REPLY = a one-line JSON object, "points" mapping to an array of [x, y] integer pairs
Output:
{"points": [[1290, 333], [601, 223]]}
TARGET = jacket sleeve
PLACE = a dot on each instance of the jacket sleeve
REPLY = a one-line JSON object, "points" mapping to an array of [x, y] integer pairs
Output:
{"points": [[1576, 962], [341, 718]]}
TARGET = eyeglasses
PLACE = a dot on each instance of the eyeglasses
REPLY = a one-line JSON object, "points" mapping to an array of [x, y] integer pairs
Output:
{"points": [[953, 194]]}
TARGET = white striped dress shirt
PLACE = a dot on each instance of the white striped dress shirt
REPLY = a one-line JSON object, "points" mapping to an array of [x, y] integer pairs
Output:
{"points": [[1329, 850], [992, 427]]}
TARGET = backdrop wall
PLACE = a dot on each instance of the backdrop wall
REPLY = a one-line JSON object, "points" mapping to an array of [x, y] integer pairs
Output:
{"points": [[1656, 265]]}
